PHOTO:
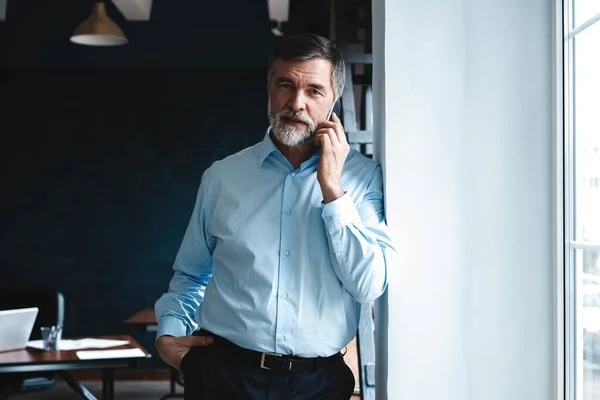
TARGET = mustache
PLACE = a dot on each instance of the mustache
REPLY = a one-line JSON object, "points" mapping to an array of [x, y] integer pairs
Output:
{"points": [[290, 114]]}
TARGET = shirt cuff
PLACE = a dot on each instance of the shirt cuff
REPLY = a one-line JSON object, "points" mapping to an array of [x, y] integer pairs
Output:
{"points": [[339, 213], [170, 325]]}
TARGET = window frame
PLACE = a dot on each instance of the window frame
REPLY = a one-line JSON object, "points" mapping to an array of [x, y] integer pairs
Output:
{"points": [[559, 128], [569, 359]]}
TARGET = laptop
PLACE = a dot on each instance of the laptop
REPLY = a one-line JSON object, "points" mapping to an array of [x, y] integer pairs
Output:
{"points": [[15, 327]]}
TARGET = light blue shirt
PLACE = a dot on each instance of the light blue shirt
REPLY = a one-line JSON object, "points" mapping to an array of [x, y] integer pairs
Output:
{"points": [[265, 264]]}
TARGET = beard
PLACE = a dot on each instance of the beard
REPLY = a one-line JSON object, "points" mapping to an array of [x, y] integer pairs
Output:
{"points": [[289, 134]]}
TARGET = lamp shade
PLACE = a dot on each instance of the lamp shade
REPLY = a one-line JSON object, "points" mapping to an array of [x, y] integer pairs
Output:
{"points": [[99, 29]]}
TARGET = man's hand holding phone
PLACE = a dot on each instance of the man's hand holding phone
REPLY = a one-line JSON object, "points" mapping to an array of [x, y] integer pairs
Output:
{"points": [[331, 137]]}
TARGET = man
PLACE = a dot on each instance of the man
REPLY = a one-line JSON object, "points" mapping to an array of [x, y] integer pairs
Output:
{"points": [[285, 241]]}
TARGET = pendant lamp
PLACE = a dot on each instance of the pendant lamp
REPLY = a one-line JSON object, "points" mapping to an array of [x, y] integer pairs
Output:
{"points": [[98, 29]]}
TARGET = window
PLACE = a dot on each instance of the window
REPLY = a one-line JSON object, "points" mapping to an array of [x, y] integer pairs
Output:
{"points": [[582, 197]]}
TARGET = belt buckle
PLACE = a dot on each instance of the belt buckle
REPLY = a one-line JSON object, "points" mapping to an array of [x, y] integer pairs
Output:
{"points": [[262, 359]]}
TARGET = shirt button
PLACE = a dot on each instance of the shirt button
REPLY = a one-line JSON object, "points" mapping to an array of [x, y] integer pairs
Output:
{"points": [[286, 253], [288, 212], [293, 174], [327, 218], [284, 295], [282, 337]]}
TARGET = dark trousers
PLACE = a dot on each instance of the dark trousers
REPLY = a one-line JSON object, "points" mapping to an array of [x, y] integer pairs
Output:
{"points": [[215, 373]]}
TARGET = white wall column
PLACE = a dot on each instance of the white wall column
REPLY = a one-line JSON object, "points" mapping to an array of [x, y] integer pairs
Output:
{"points": [[463, 93]]}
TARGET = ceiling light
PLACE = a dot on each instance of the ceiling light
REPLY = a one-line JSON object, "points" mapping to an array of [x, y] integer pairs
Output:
{"points": [[99, 29], [279, 11], [3, 4]]}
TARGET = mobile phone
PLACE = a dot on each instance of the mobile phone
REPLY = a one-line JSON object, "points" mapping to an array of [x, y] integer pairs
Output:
{"points": [[333, 107]]}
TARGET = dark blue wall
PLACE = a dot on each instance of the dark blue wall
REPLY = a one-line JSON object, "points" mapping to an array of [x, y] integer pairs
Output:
{"points": [[99, 170], [102, 149]]}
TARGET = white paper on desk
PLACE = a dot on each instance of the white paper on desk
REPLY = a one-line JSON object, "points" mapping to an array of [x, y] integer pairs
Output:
{"points": [[99, 354], [68, 344]]}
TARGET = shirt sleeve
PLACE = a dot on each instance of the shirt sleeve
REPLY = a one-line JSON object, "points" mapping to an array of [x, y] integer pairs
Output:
{"points": [[360, 245], [176, 309]]}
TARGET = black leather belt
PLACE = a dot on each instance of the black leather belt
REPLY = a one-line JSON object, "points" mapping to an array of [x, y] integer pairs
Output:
{"points": [[270, 361]]}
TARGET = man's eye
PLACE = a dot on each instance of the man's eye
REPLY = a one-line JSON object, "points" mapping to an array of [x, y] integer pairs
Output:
{"points": [[285, 86], [315, 92]]}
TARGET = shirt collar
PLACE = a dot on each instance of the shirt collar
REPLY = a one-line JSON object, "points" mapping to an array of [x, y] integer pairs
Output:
{"points": [[266, 147]]}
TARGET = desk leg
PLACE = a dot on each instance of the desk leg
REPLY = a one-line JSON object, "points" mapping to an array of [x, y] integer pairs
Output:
{"points": [[173, 379], [108, 384], [174, 375], [76, 386]]}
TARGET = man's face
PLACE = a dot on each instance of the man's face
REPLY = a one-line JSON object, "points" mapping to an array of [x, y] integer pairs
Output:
{"points": [[300, 96]]}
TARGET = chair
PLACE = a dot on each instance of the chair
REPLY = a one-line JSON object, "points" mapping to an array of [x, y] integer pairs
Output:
{"points": [[51, 306]]}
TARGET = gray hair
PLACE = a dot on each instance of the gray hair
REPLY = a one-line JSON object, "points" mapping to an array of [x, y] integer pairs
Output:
{"points": [[308, 46]]}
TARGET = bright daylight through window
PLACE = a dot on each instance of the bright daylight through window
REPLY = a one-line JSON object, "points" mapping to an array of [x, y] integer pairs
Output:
{"points": [[582, 185]]}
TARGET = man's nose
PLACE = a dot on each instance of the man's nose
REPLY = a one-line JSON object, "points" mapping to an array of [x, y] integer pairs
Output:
{"points": [[297, 103]]}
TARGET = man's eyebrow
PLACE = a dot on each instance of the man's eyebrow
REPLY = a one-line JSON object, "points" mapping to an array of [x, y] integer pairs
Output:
{"points": [[283, 80], [317, 86], [313, 85]]}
